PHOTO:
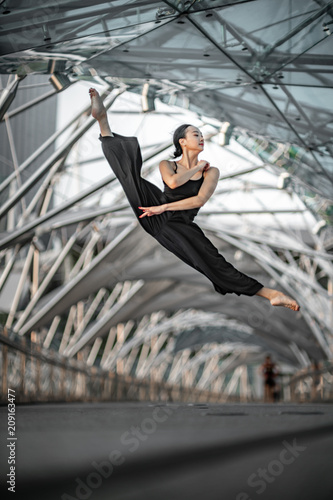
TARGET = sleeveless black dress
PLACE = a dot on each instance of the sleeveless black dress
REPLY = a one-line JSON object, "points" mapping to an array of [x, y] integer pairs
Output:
{"points": [[176, 230]]}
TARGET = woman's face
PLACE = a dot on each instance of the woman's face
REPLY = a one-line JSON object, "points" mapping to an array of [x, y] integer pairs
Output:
{"points": [[193, 139]]}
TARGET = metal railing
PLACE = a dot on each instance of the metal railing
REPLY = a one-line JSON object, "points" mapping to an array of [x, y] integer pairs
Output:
{"points": [[43, 375], [311, 385], [40, 375]]}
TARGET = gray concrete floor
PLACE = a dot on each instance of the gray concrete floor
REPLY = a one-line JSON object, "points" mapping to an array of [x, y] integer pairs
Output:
{"points": [[148, 451]]}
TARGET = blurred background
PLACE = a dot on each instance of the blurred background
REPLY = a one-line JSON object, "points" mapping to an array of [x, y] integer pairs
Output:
{"points": [[91, 307]]}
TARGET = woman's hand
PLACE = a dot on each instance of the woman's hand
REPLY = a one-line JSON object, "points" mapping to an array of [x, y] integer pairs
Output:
{"points": [[204, 165], [149, 211]]}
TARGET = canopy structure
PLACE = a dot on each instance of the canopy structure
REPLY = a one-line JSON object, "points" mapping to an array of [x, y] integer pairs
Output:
{"points": [[77, 269]]}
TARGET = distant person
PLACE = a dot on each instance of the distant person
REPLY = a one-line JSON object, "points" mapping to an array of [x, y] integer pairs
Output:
{"points": [[269, 372], [168, 216], [316, 380]]}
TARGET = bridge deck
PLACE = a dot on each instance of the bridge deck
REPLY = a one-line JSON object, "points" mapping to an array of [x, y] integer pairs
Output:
{"points": [[153, 451]]}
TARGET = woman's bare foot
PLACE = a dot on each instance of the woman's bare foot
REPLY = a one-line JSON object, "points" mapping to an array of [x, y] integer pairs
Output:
{"points": [[98, 112], [283, 300], [277, 298]]}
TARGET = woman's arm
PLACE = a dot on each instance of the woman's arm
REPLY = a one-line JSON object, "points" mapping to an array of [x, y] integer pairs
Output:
{"points": [[207, 189], [175, 179]]}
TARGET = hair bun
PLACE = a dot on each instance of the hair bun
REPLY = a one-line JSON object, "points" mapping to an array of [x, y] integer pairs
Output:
{"points": [[179, 133], [178, 151]]}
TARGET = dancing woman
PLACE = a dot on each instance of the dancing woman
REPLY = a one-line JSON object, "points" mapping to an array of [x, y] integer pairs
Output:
{"points": [[168, 216]]}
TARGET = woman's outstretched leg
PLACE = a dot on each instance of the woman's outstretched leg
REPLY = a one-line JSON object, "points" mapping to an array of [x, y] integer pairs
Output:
{"points": [[98, 111], [124, 157], [277, 298]]}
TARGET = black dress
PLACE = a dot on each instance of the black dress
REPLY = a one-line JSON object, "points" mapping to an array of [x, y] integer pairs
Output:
{"points": [[176, 230], [269, 374]]}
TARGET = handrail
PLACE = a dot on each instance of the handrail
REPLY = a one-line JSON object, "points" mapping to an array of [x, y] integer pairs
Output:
{"points": [[312, 385], [37, 374]]}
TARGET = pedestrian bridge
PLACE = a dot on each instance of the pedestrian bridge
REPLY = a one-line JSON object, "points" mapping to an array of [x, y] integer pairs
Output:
{"points": [[154, 450]]}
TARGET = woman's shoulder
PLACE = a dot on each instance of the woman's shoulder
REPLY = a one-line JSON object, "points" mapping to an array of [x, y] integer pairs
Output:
{"points": [[169, 164], [212, 172]]}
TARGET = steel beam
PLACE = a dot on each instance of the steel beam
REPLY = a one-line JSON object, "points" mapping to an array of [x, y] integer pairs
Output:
{"points": [[96, 328], [297, 29], [57, 155], [42, 287], [94, 351], [42, 148], [61, 298]]}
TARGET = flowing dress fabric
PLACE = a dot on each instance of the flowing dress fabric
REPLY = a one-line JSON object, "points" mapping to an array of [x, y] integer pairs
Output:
{"points": [[175, 230]]}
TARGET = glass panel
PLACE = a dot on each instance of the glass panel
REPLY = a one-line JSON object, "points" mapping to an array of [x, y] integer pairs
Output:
{"points": [[308, 110], [262, 44], [326, 162], [35, 28], [72, 52], [197, 5], [312, 68], [295, 160], [84, 48], [249, 108], [175, 53]]}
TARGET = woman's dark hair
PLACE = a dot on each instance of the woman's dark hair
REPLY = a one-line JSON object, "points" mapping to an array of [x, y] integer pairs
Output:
{"points": [[179, 133]]}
